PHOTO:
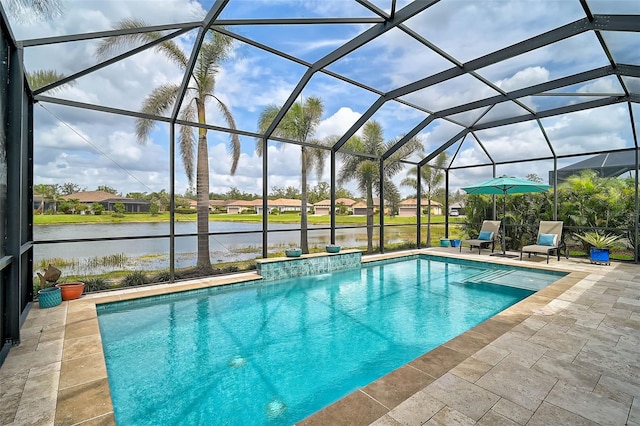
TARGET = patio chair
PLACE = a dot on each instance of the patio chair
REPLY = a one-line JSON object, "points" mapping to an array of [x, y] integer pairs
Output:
{"points": [[488, 234], [549, 240]]}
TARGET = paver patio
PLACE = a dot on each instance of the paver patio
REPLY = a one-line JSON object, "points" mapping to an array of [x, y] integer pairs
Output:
{"points": [[570, 354]]}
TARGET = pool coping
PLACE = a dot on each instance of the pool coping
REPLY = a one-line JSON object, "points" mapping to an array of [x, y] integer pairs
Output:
{"points": [[81, 391]]}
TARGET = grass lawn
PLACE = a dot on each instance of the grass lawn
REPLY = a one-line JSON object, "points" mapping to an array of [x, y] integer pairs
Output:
{"points": [[62, 219]]}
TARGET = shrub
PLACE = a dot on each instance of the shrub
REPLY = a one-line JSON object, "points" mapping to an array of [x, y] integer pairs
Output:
{"points": [[133, 279], [95, 284], [154, 209], [162, 277], [97, 208], [119, 209]]}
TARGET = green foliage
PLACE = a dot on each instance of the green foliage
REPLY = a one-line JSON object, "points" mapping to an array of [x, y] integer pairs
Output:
{"points": [[589, 200], [289, 192], [119, 208], [154, 209], [186, 211], [95, 284], [118, 260], [134, 279], [162, 277], [597, 240], [66, 207], [107, 188], [97, 208]]}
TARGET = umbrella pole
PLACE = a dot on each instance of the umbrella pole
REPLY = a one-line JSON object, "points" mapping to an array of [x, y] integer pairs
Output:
{"points": [[504, 227]]}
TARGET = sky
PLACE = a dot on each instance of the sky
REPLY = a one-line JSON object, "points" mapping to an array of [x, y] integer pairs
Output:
{"points": [[94, 148]]}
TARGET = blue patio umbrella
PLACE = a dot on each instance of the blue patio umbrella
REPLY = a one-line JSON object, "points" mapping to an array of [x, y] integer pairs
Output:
{"points": [[504, 185]]}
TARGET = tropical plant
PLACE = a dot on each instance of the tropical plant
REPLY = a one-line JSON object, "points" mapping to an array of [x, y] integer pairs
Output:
{"points": [[119, 209], [366, 170], [589, 200], [597, 240], [431, 178], [41, 78], [213, 51], [298, 124], [48, 193], [134, 279], [97, 208], [95, 284]]}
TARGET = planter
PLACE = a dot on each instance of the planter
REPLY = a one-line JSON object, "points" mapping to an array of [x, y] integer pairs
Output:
{"points": [[293, 252], [445, 242], [71, 291], [597, 255], [455, 243], [332, 248], [49, 297]]}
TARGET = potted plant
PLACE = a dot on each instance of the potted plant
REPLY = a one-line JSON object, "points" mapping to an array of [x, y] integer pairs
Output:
{"points": [[49, 285], [48, 295], [293, 252], [71, 291], [332, 248], [600, 245]]}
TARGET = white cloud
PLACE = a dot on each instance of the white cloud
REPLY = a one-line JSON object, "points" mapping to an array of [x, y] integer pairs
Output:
{"points": [[338, 123]]}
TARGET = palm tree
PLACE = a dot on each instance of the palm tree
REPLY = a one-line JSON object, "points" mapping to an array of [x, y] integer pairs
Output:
{"points": [[41, 78], [47, 193], [366, 171], [431, 179], [213, 51], [298, 124], [35, 9]]}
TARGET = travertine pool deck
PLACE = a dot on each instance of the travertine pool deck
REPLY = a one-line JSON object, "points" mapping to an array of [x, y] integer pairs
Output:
{"points": [[567, 355]]}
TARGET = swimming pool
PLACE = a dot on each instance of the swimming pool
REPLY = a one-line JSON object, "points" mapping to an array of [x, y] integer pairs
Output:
{"points": [[276, 353]]}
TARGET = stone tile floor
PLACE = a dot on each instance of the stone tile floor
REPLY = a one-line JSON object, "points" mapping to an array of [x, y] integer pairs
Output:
{"points": [[568, 355]]}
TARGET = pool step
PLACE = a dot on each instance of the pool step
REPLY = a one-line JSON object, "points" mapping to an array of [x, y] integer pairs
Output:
{"points": [[488, 277]]}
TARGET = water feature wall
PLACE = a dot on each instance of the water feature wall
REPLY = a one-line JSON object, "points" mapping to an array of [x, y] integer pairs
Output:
{"points": [[309, 264]]}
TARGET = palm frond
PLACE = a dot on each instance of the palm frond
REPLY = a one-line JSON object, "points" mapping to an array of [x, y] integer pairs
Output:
{"points": [[41, 78], [112, 45], [264, 121], [160, 100], [187, 141]]}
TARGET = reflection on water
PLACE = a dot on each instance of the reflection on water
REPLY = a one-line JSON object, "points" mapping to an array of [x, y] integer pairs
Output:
{"points": [[148, 254]]}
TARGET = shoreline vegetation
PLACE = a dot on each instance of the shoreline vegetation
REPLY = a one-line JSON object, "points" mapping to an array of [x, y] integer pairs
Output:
{"points": [[70, 219]]}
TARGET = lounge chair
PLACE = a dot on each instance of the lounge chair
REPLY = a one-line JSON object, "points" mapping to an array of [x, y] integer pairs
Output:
{"points": [[488, 234], [549, 240]]}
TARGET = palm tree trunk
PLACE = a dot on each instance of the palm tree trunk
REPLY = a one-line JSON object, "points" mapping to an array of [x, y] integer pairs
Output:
{"points": [[369, 219], [202, 193], [304, 243]]}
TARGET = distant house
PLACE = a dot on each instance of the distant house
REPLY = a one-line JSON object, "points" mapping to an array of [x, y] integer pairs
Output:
{"points": [[360, 208], [323, 208], [456, 209], [408, 207], [40, 202], [213, 204], [285, 205], [108, 200], [239, 206], [218, 204]]}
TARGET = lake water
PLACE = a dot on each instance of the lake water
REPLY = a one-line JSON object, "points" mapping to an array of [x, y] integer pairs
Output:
{"points": [[153, 253]]}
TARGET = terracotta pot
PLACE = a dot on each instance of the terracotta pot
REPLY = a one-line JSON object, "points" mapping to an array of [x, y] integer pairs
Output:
{"points": [[71, 291]]}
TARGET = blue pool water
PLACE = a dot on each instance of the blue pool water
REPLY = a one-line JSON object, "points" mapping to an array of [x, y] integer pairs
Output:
{"points": [[275, 353]]}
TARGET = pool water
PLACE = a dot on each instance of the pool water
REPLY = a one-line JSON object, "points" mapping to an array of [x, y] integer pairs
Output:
{"points": [[275, 353]]}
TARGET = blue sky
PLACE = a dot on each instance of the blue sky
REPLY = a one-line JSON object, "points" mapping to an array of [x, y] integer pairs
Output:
{"points": [[90, 148]]}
